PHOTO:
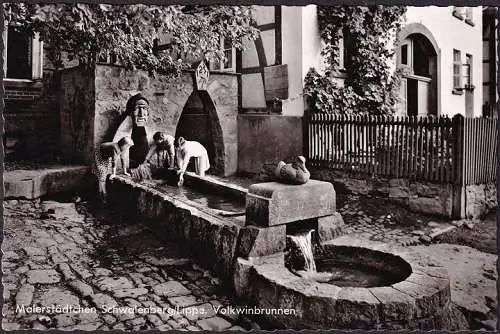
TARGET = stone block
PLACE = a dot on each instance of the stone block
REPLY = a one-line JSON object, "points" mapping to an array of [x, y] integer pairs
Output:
{"points": [[25, 295], [254, 241], [330, 227], [362, 187], [428, 205], [273, 203], [170, 289], [32, 184], [214, 324], [241, 277], [399, 192], [43, 276], [395, 305]]}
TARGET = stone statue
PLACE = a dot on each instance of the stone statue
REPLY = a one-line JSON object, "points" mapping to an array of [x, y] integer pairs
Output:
{"points": [[294, 173], [110, 154], [191, 149], [135, 126], [164, 147]]}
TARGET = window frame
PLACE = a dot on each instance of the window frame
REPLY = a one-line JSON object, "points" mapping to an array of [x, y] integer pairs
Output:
{"points": [[409, 56], [220, 66], [36, 50], [469, 16], [457, 71], [458, 12], [468, 72]]}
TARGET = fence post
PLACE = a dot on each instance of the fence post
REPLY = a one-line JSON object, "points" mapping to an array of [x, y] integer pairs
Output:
{"points": [[305, 134], [458, 203]]}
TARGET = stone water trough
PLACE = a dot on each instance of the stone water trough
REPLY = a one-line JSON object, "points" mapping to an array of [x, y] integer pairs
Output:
{"points": [[248, 250]]}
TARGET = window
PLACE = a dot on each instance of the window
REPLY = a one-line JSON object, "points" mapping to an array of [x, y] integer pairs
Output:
{"points": [[404, 54], [348, 48], [342, 52], [458, 12], [457, 66], [468, 71], [23, 55], [229, 63], [468, 14], [19, 50]]}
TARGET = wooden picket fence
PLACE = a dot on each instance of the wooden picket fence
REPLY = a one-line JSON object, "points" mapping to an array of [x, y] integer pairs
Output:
{"points": [[442, 150]]}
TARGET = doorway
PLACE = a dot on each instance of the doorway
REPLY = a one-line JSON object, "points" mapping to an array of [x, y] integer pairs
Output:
{"points": [[199, 122]]}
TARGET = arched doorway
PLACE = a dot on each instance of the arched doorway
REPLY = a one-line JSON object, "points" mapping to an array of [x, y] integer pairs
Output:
{"points": [[199, 122], [418, 53]]}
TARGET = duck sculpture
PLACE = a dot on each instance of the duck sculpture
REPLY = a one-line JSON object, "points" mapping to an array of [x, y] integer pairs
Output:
{"points": [[294, 173]]}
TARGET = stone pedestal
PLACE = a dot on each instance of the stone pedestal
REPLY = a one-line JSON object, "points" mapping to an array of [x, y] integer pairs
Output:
{"points": [[273, 203]]}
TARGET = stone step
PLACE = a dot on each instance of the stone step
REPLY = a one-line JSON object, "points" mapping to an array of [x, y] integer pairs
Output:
{"points": [[31, 184]]}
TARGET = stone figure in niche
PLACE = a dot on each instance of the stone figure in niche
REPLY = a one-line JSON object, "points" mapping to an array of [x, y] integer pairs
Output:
{"points": [[164, 148], [111, 154], [294, 173], [191, 149], [135, 126]]}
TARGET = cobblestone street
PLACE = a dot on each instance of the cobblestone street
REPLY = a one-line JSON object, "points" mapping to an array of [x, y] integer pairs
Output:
{"points": [[81, 256]]}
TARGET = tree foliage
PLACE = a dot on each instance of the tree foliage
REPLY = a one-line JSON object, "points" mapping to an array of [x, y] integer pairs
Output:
{"points": [[89, 31], [371, 86]]}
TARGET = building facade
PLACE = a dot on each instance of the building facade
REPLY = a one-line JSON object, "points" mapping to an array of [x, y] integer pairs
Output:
{"points": [[448, 53], [441, 48]]}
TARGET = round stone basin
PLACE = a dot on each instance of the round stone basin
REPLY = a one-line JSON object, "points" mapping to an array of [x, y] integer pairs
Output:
{"points": [[343, 267], [398, 289]]}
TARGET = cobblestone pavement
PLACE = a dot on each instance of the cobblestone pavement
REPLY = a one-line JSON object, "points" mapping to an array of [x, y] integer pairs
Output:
{"points": [[380, 220], [80, 256]]}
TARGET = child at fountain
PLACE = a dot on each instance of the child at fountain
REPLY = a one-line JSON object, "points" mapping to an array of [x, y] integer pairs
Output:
{"points": [[110, 153], [191, 149], [163, 146]]}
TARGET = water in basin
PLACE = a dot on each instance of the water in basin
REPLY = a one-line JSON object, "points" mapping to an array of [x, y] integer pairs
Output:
{"points": [[210, 200], [340, 273], [353, 275]]}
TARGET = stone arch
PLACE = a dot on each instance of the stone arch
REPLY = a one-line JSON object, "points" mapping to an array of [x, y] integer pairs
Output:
{"points": [[420, 29], [199, 121], [115, 85], [221, 98]]}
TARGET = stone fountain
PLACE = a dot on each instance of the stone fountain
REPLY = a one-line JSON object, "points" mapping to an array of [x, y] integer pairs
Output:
{"points": [[250, 250], [408, 291]]}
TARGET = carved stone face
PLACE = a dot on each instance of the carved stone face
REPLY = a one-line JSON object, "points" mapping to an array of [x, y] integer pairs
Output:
{"points": [[141, 113]]}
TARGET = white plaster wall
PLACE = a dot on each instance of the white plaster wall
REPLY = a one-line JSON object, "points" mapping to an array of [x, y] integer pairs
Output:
{"points": [[263, 14], [252, 88], [291, 45], [253, 91], [453, 33], [301, 47]]}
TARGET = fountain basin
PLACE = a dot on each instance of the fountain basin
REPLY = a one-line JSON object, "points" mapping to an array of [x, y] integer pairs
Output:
{"points": [[195, 221], [420, 299]]}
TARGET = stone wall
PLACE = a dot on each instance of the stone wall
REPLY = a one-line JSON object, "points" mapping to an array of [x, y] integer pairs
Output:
{"points": [[77, 118], [425, 197], [480, 199], [101, 96], [31, 120], [418, 196], [267, 139]]}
